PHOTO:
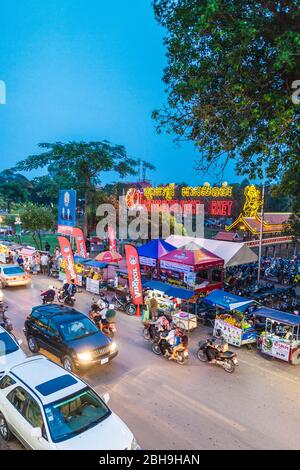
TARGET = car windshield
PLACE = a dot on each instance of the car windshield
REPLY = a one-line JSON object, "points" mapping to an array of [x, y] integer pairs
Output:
{"points": [[77, 329], [75, 414], [7, 344], [12, 270]]}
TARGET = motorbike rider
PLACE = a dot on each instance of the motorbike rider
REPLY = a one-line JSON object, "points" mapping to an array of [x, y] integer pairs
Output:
{"points": [[49, 294], [107, 315], [214, 347], [68, 290], [174, 338], [162, 324]]}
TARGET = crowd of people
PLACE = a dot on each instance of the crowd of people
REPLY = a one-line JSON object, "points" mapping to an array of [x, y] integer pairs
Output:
{"points": [[40, 262]]}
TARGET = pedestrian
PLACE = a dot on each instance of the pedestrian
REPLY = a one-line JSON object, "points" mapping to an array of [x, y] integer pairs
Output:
{"points": [[20, 261], [57, 252], [35, 265], [50, 265], [10, 258], [153, 307], [47, 246], [44, 263]]}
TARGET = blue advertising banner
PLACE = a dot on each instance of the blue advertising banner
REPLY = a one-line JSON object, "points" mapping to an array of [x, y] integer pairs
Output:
{"points": [[67, 207]]}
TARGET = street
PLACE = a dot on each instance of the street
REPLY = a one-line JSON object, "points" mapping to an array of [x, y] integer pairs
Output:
{"points": [[197, 406]]}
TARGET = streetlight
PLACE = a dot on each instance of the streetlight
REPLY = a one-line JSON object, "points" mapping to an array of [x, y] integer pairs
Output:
{"points": [[261, 232]]}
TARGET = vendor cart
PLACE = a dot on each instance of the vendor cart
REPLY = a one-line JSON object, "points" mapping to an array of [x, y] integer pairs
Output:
{"points": [[281, 338]]}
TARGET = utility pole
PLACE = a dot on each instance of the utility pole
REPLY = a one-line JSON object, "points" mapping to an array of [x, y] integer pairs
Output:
{"points": [[261, 232]]}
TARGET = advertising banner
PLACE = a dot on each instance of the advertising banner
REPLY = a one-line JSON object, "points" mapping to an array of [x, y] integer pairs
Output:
{"points": [[145, 261], [112, 240], [80, 242], [134, 274], [67, 208], [67, 256], [231, 334]]}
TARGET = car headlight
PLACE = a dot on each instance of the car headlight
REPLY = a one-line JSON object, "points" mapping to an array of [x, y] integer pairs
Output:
{"points": [[134, 445], [86, 356], [113, 347]]}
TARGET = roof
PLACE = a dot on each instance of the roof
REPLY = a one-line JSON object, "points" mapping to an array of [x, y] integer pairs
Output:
{"points": [[155, 248], [273, 222], [283, 317], [233, 253], [228, 301], [95, 264], [38, 371], [169, 290], [194, 257], [227, 236], [56, 310]]}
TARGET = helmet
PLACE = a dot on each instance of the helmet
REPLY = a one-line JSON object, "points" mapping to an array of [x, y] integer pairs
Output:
{"points": [[51, 287], [111, 307]]}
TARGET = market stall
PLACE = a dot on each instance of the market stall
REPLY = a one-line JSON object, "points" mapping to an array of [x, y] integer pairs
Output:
{"points": [[192, 267], [169, 299], [281, 338], [230, 317], [150, 253], [93, 275], [4, 252]]}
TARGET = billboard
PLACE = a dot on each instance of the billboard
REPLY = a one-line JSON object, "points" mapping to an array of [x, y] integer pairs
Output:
{"points": [[67, 208]]}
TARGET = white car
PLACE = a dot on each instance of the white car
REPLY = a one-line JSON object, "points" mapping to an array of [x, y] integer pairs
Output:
{"points": [[10, 351], [48, 408]]}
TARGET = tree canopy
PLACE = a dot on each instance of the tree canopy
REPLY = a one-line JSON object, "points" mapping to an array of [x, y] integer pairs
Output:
{"points": [[229, 77]]}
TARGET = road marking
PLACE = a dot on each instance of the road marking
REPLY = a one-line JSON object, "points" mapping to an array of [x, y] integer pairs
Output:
{"points": [[204, 409]]}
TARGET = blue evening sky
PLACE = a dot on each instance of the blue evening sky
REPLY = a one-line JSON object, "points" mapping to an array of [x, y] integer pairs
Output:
{"points": [[87, 70]]}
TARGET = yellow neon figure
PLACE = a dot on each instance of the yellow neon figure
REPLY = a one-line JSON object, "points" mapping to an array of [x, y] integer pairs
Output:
{"points": [[252, 202]]}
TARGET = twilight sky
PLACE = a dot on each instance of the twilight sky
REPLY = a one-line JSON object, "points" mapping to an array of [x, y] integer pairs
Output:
{"points": [[87, 70]]}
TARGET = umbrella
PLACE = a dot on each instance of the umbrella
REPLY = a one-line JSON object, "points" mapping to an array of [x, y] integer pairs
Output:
{"points": [[109, 257]]}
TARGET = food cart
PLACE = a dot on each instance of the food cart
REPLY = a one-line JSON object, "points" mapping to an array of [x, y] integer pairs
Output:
{"points": [[281, 338], [230, 317], [169, 299]]}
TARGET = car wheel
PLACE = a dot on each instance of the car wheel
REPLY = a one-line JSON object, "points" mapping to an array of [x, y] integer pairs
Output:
{"points": [[33, 344], [68, 364], [5, 433]]}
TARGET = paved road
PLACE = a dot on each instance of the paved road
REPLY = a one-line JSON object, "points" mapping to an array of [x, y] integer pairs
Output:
{"points": [[196, 406]]}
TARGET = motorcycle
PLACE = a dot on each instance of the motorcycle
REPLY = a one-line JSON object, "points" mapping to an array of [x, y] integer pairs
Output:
{"points": [[108, 328], [162, 347], [47, 299], [4, 321], [150, 332], [224, 358], [124, 304], [66, 299]]}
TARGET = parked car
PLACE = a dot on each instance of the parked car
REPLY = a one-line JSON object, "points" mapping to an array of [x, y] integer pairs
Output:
{"points": [[10, 351], [13, 275], [47, 408], [69, 335]]}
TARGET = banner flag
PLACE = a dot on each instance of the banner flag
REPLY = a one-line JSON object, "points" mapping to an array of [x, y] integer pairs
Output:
{"points": [[134, 275], [80, 242], [67, 256]]}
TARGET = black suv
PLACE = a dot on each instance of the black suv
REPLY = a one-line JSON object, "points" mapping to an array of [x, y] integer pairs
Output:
{"points": [[69, 335]]}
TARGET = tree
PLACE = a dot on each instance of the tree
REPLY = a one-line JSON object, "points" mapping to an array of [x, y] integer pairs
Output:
{"points": [[35, 219], [14, 188], [81, 164], [230, 73]]}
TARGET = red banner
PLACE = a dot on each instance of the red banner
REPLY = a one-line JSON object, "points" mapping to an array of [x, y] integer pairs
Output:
{"points": [[134, 274], [112, 241], [80, 242], [67, 255], [65, 229]]}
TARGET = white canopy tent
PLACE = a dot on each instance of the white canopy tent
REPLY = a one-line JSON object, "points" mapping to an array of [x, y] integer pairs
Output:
{"points": [[232, 253]]}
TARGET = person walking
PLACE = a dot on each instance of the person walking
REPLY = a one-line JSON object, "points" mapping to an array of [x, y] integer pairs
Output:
{"points": [[44, 263], [50, 265], [153, 307]]}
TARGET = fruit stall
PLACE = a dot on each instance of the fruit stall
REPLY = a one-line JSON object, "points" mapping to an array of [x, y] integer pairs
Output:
{"points": [[230, 317], [281, 338]]}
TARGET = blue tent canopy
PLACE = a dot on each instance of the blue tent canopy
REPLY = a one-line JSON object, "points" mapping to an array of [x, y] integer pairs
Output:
{"points": [[169, 290], [80, 259], [228, 301], [155, 248], [95, 264], [277, 315]]}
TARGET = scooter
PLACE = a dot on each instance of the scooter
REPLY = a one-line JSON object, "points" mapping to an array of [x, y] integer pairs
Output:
{"points": [[47, 299], [162, 347], [150, 332], [66, 299], [124, 304], [108, 328], [224, 358]]}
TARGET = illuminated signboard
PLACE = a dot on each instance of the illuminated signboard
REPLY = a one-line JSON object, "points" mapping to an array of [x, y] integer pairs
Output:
{"points": [[217, 201]]}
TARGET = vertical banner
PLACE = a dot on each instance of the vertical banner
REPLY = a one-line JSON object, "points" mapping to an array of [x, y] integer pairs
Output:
{"points": [[134, 276], [67, 256], [80, 242], [112, 240], [66, 208]]}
